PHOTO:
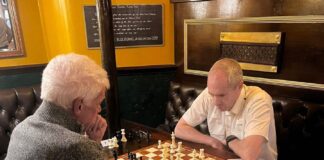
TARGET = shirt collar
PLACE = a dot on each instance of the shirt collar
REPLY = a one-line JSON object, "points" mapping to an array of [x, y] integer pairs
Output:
{"points": [[239, 104]]}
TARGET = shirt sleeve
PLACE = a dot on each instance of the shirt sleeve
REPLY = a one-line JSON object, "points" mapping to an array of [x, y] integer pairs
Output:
{"points": [[259, 116], [197, 112]]}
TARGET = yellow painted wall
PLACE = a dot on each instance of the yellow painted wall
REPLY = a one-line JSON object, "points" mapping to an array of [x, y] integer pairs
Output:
{"points": [[150, 55], [52, 27], [68, 18], [32, 36]]}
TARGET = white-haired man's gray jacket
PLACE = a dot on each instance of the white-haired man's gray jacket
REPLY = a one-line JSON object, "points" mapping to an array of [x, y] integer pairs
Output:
{"points": [[51, 133]]}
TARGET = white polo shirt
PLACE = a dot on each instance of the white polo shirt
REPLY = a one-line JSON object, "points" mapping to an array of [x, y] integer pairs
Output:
{"points": [[252, 114]]}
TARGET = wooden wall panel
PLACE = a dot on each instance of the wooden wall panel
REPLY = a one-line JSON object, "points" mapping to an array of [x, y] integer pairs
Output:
{"points": [[303, 54]]}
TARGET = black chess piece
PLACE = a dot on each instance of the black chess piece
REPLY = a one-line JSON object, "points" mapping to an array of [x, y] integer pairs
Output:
{"points": [[115, 154], [134, 156], [118, 136], [129, 155]]}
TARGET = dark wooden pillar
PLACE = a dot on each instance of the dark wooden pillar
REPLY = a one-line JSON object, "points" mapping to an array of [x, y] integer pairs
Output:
{"points": [[109, 62]]}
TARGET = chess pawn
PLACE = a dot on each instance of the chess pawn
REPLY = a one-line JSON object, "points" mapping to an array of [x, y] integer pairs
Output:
{"points": [[159, 144], [123, 139], [194, 154], [179, 147], [201, 154]]}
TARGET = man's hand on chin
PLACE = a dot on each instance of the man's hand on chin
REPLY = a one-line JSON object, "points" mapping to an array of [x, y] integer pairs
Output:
{"points": [[96, 129]]}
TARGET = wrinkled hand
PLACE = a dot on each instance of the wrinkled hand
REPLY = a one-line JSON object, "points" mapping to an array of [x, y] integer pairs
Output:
{"points": [[217, 144], [96, 130]]}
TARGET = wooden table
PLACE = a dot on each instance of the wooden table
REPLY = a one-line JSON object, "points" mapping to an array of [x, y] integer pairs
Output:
{"points": [[135, 144]]}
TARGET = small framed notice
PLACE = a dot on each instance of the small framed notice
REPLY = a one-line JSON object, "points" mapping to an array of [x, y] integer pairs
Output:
{"points": [[134, 25]]}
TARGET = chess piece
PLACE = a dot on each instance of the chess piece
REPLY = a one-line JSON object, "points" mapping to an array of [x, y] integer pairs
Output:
{"points": [[164, 152], [194, 154], [159, 144], [171, 156], [173, 140], [110, 143], [134, 157], [115, 142], [179, 149], [129, 155], [115, 154], [201, 154], [178, 156], [123, 139], [171, 149], [118, 136]]}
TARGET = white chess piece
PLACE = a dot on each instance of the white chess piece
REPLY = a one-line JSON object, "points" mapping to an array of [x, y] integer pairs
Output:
{"points": [[159, 144], [115, 142], [178, 156], [110, 143], [173, 140], [171, 149], [164, 152], [171, 156], [194, 154], [179, 149], [123, 139], [201, 154]]}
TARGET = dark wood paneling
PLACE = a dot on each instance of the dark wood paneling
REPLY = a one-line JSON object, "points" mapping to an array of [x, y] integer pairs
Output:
{"points": [[302, 58], [11, 77], [143, 93]]}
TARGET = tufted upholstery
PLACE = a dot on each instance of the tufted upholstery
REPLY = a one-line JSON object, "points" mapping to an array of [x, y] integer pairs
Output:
{"points": [[299, 125], [15, 106]]}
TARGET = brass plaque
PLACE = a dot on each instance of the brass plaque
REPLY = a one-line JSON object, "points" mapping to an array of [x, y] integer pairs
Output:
{"points": [[251, 37], [256, 51]]}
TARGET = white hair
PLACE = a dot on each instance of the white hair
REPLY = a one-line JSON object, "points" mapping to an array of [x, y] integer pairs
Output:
{"points": [[232, 69], [71, 76]]}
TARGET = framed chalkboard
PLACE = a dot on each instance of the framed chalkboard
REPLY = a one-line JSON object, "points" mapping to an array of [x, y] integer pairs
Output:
{"points": [[134, 25]]}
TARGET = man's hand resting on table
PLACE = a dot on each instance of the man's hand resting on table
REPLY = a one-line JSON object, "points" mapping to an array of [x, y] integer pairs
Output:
{"points": [[215, 143]]}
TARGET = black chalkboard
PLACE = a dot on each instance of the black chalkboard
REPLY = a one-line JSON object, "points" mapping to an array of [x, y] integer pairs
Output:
{"points": [[134, 25]]}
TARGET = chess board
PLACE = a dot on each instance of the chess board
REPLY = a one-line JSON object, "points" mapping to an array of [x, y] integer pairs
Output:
{"points": [[154, 153]]}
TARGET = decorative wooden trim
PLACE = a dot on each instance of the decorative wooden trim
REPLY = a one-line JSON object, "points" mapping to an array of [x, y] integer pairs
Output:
{"points": [[146, 69], [22, 68], [278, 82], [182, 1]]}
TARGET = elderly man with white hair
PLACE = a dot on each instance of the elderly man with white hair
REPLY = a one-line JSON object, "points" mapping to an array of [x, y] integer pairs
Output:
{"points": [[73, 87]]}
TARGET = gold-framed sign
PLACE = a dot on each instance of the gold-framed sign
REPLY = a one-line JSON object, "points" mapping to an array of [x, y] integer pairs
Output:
{"points": [[256, 51]]}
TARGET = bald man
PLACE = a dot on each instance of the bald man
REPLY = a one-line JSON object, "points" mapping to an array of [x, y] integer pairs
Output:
{"points": [[239, 117]]}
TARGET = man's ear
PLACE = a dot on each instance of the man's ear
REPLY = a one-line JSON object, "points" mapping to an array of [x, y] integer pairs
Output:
{"points": [[77, 106]]}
